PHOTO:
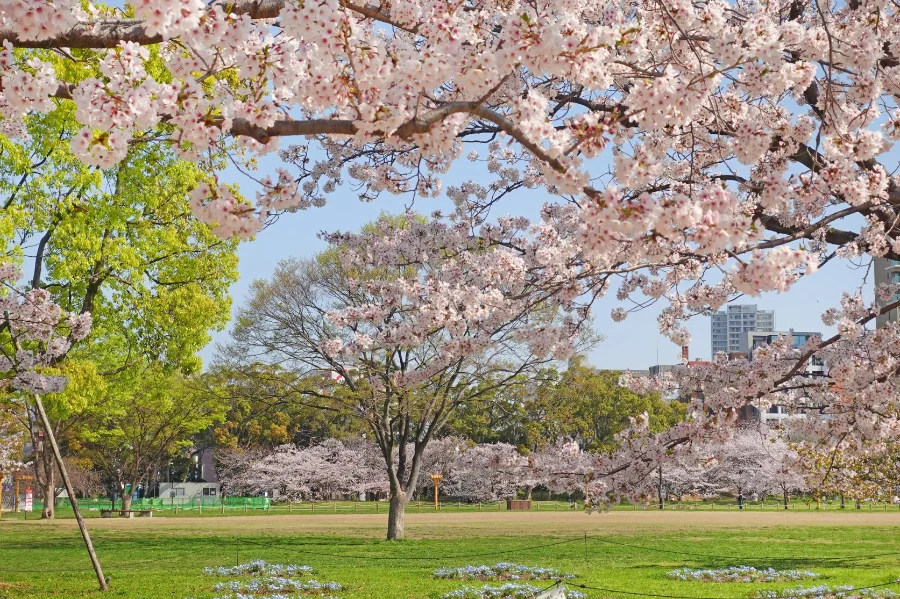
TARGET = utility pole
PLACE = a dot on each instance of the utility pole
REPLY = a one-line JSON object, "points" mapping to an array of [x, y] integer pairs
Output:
{"points": [[71, 491]]}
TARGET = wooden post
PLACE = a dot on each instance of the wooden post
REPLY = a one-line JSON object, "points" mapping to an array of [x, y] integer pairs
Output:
{"points": [[436, 479], [65, 476]]}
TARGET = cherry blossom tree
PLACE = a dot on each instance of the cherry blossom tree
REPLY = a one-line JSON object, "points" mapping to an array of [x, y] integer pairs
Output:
{"points": [[292, 473], [11, 439], [488, 472], [752, 461], [748, 145], [873, 474], [562, 466], [682, 477], [399, 376], [783, 473]]}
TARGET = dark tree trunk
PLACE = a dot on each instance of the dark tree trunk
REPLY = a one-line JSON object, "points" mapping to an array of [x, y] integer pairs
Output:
{"points": [[48, 489], [786, 500], [659, 488]]}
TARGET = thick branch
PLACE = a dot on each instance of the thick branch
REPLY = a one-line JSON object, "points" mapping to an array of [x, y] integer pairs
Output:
{"points": [[107, 33]]}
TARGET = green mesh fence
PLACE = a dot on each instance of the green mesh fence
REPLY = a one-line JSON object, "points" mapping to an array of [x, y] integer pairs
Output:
{"points": [[168, 503]]}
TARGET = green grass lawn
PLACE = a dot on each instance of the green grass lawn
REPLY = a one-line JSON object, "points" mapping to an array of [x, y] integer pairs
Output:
{"points": [[625, 551]]}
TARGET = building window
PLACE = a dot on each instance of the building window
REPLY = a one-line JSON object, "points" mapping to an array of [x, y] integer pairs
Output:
{"points": [[209, 491]]}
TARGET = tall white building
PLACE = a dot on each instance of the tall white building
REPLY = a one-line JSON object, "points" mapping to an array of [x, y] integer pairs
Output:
{"points": [[730, 327], [887, 271]]}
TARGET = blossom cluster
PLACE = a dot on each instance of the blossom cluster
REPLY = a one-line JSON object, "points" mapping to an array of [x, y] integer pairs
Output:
{"points": [[740, 574], [259, 585], [259, 579], [825, 591], [509, 590], [266, 596], [502, 571], [259, 568], [40, 334]]}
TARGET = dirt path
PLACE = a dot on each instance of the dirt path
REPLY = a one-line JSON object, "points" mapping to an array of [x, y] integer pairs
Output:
{"points": [[450, 525]]}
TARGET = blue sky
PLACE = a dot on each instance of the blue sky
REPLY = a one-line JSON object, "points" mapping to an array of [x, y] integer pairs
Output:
{"points": [[634, 343]]}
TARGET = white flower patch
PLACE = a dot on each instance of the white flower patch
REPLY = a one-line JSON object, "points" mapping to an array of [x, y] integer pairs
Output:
{"points": [[740, 574]]}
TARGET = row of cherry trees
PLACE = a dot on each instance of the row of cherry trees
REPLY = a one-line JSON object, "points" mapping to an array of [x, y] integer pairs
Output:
{"points": [[755, 462], [477, 472]]}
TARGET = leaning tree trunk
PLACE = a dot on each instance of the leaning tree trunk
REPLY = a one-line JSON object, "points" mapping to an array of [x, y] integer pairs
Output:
{"points": [[71, 491], [396, 513]]}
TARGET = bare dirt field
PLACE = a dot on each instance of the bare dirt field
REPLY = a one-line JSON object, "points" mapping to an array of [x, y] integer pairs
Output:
{"points": [[455, 525]]}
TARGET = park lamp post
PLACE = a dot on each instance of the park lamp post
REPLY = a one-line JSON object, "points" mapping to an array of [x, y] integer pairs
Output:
{"points": [[436, 479]]}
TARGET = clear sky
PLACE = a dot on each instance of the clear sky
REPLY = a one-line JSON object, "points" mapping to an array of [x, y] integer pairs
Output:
{"points": [[634, 343]]}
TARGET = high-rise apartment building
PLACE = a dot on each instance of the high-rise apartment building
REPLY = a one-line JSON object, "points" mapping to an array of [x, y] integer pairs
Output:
{"points": [[730, 327], [887, 271]]}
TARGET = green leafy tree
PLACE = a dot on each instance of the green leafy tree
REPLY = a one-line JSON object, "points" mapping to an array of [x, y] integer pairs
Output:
{"points": [[268, 406], [593, 408], [581, 403], [523, 415], [69, 412], [120, 244], [149, 416]]}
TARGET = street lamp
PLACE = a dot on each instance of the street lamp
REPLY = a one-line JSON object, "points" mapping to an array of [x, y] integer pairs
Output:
{"points": [[436, 479]]}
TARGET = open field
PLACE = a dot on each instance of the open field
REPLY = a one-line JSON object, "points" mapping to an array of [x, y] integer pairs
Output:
{"points": [[621, 550], [234, 507]]}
